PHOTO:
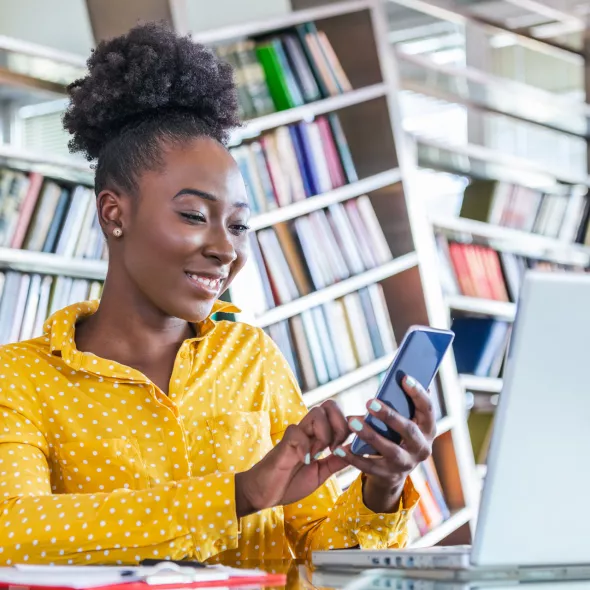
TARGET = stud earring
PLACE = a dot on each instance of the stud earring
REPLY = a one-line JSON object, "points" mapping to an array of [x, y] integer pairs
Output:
{"points": [[117, 232]]}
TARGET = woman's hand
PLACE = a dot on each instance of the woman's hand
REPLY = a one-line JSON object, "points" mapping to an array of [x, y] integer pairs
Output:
{"points": [[291, 470], [387, 473]]}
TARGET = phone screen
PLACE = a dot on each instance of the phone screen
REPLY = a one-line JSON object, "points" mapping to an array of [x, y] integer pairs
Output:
{"points": [[419, 356]]}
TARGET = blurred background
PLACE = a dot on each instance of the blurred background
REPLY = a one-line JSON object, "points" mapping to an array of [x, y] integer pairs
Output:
{"points": [[406, 161]]}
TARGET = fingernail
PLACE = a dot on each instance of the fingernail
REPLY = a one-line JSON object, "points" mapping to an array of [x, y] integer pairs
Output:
{"points": [[411, 382], [307, 459], [317, 456], [339, 453], [375, 406], [356, 425]]}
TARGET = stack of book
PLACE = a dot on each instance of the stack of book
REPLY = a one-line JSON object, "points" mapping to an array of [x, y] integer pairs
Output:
{"points": [[285, 70], [293, 259], [42, 215], [480, 271], [295, 162], [557, 215], [331, 340], [432, 509], [27, 300]]}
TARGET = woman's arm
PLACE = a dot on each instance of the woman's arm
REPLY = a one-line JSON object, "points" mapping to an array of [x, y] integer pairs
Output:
{"points": [[191, 518], [327, 519]]}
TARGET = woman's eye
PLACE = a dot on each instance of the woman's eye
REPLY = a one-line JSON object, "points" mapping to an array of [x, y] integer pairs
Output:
{"points": [[194, 217], [240, 228]]}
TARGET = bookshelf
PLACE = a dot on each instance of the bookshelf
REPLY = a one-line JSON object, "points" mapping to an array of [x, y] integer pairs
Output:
{"points": [[397, 289], [449, 69]]}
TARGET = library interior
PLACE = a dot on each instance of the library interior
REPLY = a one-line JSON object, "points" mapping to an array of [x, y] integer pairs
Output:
{"points": [[363, 172]]}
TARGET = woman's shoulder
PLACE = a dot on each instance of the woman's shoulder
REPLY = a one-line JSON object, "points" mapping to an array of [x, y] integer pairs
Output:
{"points": [[24, 351]]}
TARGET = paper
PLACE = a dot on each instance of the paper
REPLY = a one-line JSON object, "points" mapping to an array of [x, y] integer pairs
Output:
{"points": [[78, 577]]}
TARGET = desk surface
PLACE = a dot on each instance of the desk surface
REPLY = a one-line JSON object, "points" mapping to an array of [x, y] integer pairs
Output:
{"points": [[300, 576]]}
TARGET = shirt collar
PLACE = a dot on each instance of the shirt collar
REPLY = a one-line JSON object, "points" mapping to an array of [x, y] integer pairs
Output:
{"points": [[61, 326]]}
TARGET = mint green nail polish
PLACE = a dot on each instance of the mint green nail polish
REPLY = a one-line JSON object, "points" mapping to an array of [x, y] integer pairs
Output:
{"points": [[339, 453], [307, 459], [317, 456], [375, 406], [411, 382], [356, 425]]}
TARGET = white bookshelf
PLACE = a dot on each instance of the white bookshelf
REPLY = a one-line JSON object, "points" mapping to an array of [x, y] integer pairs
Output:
{"points": [[306, 112], [481, 384], [354, 283], [501, 310], [338, 195], [441, 532], [516, 241]]}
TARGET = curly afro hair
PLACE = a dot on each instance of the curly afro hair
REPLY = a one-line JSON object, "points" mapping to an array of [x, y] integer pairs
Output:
{"points": [[144, 88]]}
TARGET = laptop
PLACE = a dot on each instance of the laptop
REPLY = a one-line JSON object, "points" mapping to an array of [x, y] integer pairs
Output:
{"points": [[534, 515]]}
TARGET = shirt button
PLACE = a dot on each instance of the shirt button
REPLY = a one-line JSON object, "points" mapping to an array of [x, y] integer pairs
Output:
{"points": [[183, 354]]}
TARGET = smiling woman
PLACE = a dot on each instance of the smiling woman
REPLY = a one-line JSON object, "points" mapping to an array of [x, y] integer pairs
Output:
{"points": [[139, 427]]}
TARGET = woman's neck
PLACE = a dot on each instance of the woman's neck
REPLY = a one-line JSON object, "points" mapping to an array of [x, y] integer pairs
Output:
{"points": [[130, 330]]}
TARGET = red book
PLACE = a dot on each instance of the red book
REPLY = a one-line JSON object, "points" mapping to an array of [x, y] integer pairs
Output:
{"points": [[462, 271], [26, 210]]}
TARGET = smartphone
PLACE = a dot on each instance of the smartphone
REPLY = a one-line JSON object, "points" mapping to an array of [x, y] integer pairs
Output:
{"points": [[419, 356]]}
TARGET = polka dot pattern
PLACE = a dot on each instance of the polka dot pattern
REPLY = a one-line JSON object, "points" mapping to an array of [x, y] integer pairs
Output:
{"points": [[98, 465]]}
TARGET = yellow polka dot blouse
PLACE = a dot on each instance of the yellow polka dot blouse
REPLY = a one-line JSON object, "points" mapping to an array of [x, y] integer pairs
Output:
{"points": [[97, 465]]}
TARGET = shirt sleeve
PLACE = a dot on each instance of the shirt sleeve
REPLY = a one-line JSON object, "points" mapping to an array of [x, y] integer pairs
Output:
{"points": [[328, 518], [194, 518]]}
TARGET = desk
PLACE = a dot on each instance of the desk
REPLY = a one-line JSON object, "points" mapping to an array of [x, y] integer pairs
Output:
{"points": [[301, 577]]}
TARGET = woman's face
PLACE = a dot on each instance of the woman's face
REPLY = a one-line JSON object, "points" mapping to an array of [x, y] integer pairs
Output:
{"points": [[185, 232]]}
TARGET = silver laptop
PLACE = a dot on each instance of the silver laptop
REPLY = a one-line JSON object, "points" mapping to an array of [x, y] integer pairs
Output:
{"points": [[534, 513]]}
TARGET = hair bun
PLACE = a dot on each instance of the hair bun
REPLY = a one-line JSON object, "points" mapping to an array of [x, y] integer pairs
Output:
{"points": [[146, 72]]}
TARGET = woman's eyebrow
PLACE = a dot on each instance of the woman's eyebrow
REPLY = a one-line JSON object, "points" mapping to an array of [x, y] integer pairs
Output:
{"points": [[207, 196]]}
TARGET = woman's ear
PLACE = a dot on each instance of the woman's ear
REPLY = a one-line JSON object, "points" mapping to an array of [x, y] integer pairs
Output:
{"points": [[111, 212]]}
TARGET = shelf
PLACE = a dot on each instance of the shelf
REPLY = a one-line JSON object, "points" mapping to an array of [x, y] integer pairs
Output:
{"points": [[481, 384], [61, 167], [307, 112], [501, 310], [492, 93], [517, 241], [52, 264], [499, 158], [435, 536], [444, 425], [338, 195], [297, 17], [283, 312], [332, 388]]}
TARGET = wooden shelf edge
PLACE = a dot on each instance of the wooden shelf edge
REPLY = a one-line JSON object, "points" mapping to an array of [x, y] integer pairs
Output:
{"points": [[336, 386], [518, 241], [308, 111], [498, 309], [483, 384], [338, 195], [354, 283], [52, 264], [457, 520]]}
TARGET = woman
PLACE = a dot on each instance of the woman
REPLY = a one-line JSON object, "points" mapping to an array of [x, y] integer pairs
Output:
{"points": [[141, 428]]}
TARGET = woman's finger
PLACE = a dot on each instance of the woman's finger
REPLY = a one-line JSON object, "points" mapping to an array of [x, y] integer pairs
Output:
{"points": [[415, 441], [338, 422], [318, 428], [294, 446], [422, 403], [397, 458], [376, 466]]}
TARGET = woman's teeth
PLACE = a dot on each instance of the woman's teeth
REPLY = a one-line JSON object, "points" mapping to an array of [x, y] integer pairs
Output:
{"points": [[212, 283]]}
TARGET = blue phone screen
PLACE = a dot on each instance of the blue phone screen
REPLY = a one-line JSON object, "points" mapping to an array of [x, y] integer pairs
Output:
{"points": [[419, 357]]}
